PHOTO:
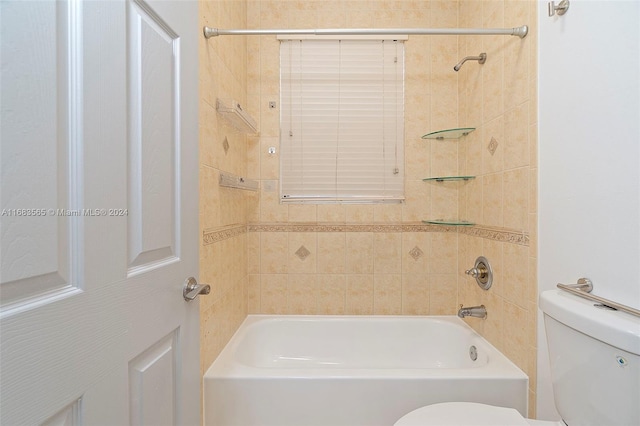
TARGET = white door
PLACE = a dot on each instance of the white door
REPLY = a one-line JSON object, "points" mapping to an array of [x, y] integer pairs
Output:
{"points": [[99, 212]]}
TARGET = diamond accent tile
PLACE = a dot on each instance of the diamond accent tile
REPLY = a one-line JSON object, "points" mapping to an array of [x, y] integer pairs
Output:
{"points": [[302, 253], [493, 145], [225, 145], [416, 253]]}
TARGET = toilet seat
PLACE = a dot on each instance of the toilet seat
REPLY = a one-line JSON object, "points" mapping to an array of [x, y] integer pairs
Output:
{"points": [[463, 413]]}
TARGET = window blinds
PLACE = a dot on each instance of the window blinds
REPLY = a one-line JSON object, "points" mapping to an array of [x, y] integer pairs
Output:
{"points": [[342, 121]]}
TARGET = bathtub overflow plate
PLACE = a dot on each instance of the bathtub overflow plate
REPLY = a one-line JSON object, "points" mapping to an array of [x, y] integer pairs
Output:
{"points": [[473, 353]]}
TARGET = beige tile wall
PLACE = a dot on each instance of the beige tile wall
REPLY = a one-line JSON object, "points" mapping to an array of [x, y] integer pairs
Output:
{"points": [[282, 269], [499, 98], [347, 272], [357, 272], [223, 262]]}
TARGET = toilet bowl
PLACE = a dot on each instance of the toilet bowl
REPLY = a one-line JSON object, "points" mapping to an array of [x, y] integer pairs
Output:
{"points": [[595, 371], [468, 414]]}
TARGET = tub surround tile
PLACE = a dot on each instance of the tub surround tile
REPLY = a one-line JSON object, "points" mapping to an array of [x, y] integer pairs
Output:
{"points": [[387, 294], [302, 298], [444, 158], [444, 253], [387, 253], [493, 146], [516, 346], [303, 253], [415, 294], [359, 294], [253, 294], [331, 213], [332, 294], [273, 245], [270, 208], [493, 159], [417, 200], [387, 213], [359, 213], [492, 199], [516, 150], [444, 200], [302, 213], [416, 253], [443, 294], [516, 274], [273, 293], [359, 256], [253, 253], [516, 196], [332, 253]]}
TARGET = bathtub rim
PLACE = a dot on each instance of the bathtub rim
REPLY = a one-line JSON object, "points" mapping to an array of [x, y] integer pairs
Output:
{"points": [[226, 367]]}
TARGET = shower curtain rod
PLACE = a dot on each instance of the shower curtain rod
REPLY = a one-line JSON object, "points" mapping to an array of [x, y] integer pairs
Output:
{"points": [[517, 31]]}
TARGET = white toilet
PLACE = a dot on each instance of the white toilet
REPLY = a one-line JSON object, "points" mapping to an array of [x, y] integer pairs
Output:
{"points": [[595, 371]]}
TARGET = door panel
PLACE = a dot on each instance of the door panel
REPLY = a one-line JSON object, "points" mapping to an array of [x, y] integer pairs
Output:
{"points": [[154, 59], [68, 416], [93, 326], [36, 260], [153, 375]]}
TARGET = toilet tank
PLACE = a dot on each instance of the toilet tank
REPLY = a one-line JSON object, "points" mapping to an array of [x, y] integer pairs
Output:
{"points": [[595, 361]]}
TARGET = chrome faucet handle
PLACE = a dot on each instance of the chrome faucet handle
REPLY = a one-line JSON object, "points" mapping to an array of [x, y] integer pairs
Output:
{"points": [[474, 272], [482, 272]]}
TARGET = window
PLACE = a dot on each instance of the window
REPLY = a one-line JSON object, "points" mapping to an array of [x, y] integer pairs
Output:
{"points": [[342, 120]]}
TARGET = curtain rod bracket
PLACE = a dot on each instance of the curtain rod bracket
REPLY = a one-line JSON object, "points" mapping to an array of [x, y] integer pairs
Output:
{"points": [[516, 31], [210, 32]]}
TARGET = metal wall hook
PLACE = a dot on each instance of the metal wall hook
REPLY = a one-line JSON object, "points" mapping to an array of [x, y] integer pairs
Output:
{"points": [[560, 9]]}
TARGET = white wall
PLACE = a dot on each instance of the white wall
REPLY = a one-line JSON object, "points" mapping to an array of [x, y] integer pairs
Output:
{"points": [[589, 156]]}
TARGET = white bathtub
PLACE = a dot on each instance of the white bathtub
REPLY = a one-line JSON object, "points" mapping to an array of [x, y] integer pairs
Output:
{"points": [[353, 370]]}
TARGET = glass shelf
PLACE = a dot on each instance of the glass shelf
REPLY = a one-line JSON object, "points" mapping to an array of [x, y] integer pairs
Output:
{"points": [[449, 133], [449, 178], [451, 222]]}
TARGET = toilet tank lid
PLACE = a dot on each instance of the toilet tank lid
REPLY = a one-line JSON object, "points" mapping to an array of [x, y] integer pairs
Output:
{"points": [[615, 328]]}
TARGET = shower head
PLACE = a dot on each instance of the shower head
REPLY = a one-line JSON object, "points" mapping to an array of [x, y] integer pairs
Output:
{"points": [[482, 58]]}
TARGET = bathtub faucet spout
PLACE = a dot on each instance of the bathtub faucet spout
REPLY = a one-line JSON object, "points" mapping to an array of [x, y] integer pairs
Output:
{"points": [[474, 311]]}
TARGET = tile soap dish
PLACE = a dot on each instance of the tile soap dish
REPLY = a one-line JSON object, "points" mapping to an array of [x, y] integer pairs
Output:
{"points": [[449, 133]]}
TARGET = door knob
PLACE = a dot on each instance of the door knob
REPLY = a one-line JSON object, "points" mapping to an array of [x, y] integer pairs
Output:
{"points": [[192, 289]]}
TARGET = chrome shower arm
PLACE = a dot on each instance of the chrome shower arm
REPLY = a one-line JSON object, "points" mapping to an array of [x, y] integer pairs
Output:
{"points": [[482, 58]]}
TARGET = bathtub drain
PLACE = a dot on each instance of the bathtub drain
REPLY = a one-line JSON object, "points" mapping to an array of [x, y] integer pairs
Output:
{"points": [[473, 353]]}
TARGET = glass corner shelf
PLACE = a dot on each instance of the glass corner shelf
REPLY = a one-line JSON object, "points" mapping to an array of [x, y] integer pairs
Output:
{"points": [[449, 133], [449, 178], [452, 222]]}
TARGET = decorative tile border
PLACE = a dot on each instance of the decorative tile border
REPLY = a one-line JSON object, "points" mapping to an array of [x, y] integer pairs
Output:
{"points": [[213, 235], [511, 236], [348, 227], [497, 234]]}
